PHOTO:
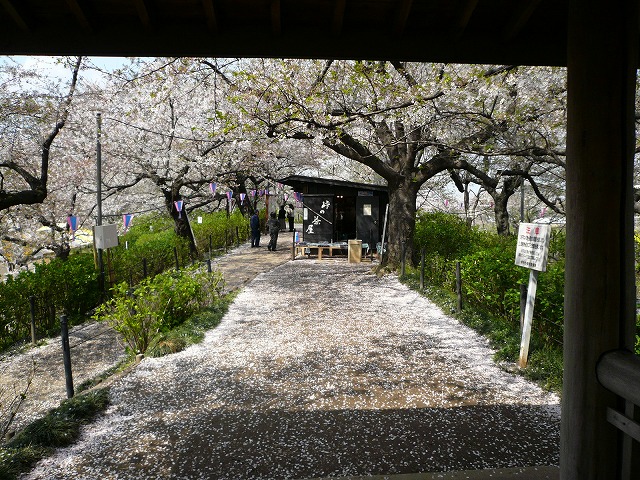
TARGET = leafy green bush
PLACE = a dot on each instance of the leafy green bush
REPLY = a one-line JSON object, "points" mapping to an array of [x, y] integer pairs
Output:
{"points": [[69, 286], [158, 304], [220, 229], [151, 239], [491, 279], [491, 287]]}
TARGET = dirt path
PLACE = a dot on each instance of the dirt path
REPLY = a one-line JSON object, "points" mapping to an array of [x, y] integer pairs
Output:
{"points": [[319, 369]]}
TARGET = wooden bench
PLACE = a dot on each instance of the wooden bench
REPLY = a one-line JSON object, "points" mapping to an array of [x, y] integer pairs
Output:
{"points": [[319, 250]]}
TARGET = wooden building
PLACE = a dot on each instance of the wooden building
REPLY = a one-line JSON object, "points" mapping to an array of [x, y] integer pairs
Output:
{"points": [[597, 40], [338, 211]]}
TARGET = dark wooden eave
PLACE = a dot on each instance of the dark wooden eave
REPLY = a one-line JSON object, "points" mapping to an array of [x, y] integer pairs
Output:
{"points": [[298, 182], [465, 31]]}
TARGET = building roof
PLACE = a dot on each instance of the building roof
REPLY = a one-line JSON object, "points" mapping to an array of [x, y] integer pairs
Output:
{"points": [[297, 182], [457, 31]]}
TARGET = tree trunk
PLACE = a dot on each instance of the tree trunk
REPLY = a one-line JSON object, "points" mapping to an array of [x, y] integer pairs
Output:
{"points": [[402, 221], [181, 221], [501, 214]]}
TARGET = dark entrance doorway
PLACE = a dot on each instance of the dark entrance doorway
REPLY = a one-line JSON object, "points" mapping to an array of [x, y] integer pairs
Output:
{"points": [[345, 219], [367, 215]]}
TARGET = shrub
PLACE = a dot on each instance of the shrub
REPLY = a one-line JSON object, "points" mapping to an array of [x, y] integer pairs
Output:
{"points": [[220, 229], [69, 285], [158, 304]]}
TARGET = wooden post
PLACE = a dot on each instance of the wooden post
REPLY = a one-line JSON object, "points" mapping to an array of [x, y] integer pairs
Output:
{"points": [[458, 287], [66, 355], [293, 245], [144, 268], [32, 309], [599, 277], [175, 254], [523, 304], [422, 269], [209, 265]]}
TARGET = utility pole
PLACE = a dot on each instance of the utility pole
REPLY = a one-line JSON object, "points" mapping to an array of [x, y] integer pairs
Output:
{"points": [[99, 198]]}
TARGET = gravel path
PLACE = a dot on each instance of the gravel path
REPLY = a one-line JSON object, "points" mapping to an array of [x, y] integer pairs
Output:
{"points": [[318, 369], [94, 349]]}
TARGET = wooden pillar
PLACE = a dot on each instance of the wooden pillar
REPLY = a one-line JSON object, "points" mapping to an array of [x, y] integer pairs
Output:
{"points": [[600, 286]]}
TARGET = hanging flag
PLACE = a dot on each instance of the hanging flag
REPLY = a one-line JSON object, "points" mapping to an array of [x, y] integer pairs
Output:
{"points": [[242, 195], [446, 203], [126, 220], [286, 197], [252, 193], [280, 186], [72, 221], [229, 195], [543, 211], [212, 187], [178, 205]]}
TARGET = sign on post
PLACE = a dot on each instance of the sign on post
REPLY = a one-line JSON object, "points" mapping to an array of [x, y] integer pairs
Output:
{"points": [[532, 252], [106, 236]]}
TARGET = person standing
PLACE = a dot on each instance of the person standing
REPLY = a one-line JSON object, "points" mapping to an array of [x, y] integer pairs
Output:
{"points": [[290, 217], [281, 216], [273, 225], [254, 223]]}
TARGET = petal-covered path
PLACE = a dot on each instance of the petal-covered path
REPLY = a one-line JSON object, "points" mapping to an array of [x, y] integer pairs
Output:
{"points": [[318, 369]]}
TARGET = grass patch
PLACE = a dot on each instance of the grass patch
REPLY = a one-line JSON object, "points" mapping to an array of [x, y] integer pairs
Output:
{"points": [[545, 365], [59, 428]]}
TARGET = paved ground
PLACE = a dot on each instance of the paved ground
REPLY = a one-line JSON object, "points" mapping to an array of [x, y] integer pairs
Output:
{"points": [[319, 369]]}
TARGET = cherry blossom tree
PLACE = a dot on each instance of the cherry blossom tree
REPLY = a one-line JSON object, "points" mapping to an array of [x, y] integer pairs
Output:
{"points": [[406, 122]]}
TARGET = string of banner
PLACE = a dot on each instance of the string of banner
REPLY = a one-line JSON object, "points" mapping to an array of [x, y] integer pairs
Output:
{"points": [[72, 220]]}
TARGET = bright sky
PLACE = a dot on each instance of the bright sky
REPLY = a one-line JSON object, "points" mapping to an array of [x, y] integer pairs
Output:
{"points": [[53, 67]]}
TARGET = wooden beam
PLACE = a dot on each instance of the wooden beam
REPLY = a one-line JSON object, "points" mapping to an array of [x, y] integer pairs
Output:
{"points": [[143, 14], [400, 22], [77, 11], [276, 20], [600, 275], [15, 15], [338, 17], [463, 19], [619, 372], [210, 14], [519, 20]]}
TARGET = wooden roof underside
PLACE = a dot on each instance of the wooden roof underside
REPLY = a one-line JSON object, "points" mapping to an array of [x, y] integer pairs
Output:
{"points": [[457, 31]]}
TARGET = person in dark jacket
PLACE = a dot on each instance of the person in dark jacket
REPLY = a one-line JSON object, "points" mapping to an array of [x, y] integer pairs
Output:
{"points": [[273, 225], [254, 223], [281, 217]]}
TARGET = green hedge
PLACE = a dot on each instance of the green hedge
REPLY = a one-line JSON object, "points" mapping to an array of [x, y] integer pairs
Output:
{"points": [[72, 285], [61, 285], [490, 279]]}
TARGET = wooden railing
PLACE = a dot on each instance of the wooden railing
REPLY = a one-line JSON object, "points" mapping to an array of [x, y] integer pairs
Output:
{"points": [[619, 372]]}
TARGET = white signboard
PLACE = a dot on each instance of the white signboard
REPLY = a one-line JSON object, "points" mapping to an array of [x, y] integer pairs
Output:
{"points": [[533, 246], [106, 236]]}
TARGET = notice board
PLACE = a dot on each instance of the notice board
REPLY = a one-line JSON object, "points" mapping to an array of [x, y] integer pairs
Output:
{"points": [[317, 218], [533, 246]]}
